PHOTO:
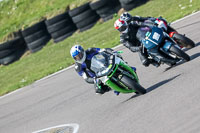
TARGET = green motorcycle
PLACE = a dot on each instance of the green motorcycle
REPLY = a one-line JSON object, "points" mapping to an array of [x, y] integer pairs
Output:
{"points": [[114, 72]]}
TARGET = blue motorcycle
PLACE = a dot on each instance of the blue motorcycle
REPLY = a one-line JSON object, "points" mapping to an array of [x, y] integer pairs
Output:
{"points": [[156, 41]]}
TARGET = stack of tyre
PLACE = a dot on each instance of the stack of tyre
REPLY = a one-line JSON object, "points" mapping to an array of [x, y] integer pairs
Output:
{"points": [[84, 17], [36, 36], [60, 27], [12, 50], [130, 4], [105, 8], [116, 5]]}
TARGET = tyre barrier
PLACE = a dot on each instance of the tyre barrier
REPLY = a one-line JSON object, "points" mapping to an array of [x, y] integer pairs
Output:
{"points": [[105, 8], [116, 5], [130, 4], [12, 50], [60, 27], [36, 36], [84, 17]]}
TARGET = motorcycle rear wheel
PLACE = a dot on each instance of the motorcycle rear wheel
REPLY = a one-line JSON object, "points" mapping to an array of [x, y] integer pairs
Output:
{"points": [[133, 85], [183, 41], [179, 53]]}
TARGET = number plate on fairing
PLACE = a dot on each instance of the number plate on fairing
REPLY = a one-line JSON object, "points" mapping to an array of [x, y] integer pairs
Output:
{"points": [[156, 36]]}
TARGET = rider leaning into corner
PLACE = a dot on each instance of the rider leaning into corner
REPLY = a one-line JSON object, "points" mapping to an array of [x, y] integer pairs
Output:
{"points": [[82, 66], [128, 27]]}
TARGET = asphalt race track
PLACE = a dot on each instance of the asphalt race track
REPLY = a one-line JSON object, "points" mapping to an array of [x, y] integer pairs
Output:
{"points": [[172, 104]]}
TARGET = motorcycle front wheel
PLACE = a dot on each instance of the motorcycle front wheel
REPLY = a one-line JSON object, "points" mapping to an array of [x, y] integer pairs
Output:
{"points": [[179, 53], [132, 84], [183, 41]]}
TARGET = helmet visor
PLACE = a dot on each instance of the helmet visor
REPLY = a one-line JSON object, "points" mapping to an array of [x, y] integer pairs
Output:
{"points": [[122, 28], [79, 56]]}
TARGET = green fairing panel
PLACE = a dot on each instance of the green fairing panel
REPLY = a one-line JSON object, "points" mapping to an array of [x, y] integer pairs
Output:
{"points": [[117, 88], [130, 70], [113, 71]]}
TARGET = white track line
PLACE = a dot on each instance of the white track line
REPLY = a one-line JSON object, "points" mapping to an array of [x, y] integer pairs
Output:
{"points": [[75, 126], [186, 17], [56, 73]]}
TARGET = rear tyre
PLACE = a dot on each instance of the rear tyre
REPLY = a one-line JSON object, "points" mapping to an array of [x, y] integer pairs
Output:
{"points": [[183, 41], [133, 85], [179, 53]]}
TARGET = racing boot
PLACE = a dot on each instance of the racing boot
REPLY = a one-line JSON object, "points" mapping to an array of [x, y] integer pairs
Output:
{"points": [[134, 69], [160, 58], [144, 59], [117, 93], [154, 63], [169, 62]]}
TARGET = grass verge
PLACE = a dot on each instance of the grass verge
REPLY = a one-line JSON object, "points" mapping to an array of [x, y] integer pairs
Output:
{"points": [[19, 14]]}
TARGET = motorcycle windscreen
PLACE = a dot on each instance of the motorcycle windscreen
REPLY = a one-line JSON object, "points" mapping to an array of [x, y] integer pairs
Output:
{"points": [[100, 64], [142, 33]]}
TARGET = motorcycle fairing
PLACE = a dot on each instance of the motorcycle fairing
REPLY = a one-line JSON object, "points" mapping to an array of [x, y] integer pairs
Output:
{"points": [[153, 39]]}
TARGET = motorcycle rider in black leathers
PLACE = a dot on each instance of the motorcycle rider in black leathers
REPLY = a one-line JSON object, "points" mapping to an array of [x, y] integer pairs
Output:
{"points": [[82, 65], [128, 27]]}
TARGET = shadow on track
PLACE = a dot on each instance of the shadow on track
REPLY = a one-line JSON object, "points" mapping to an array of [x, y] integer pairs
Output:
{"points": [[197, 44], [192, 57], [134, 96], [186, 49], [179, 63], [161, 83], [153, 87]]}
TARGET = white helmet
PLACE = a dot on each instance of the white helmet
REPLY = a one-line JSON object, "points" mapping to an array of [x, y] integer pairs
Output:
{"points": [[78, 53], [126, 17], [121, 26]]}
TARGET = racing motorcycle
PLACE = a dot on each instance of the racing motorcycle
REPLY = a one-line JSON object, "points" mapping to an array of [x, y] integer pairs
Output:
{"points": [[152, 37], [115, 73], [181, 40]]}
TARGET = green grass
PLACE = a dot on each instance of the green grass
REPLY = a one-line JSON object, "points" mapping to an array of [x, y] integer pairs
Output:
{"points": [[19, 14], [54, 57]]}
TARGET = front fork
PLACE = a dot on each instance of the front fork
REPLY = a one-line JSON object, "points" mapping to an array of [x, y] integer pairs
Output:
{"points": [[166, 48]]}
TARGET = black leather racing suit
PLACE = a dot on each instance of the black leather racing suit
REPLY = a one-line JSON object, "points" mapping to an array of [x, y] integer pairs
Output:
{"points": [[130, 40]]}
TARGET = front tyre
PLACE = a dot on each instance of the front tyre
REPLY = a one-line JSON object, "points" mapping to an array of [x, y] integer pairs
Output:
{"points": [[179, 53], [183, 41], [132, 84]]}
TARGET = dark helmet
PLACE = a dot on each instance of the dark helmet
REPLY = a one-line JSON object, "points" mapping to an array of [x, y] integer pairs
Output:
{"points": [[126, 17]]}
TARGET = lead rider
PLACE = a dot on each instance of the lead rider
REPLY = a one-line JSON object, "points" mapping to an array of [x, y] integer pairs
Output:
{"points": [[82, 65]]}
